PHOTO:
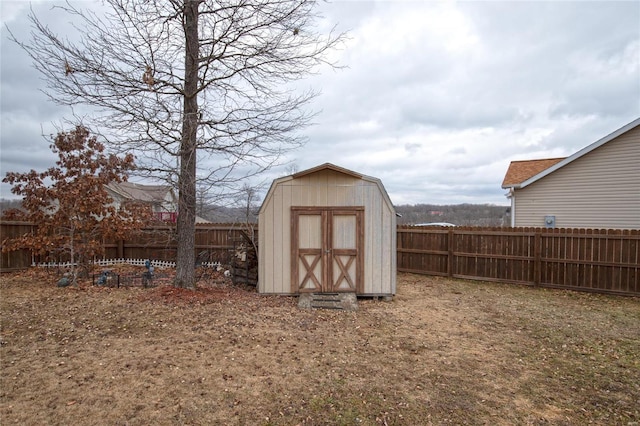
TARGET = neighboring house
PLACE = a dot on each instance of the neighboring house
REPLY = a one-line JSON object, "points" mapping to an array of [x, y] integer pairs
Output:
{"points": [[597, 187], [160, 198]]}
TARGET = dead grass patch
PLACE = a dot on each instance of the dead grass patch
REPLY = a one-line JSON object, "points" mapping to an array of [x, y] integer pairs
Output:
{"points": [[442, 352]]}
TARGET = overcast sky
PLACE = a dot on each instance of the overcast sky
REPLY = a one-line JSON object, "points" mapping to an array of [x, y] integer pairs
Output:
{"points": [[436, 98]]}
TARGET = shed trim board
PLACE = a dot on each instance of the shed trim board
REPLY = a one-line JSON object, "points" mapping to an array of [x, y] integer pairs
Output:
{"points": [[327, 166], [335, 263]]}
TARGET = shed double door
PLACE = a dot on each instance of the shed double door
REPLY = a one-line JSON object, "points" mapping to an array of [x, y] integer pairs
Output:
{"points": [[327, 249]]}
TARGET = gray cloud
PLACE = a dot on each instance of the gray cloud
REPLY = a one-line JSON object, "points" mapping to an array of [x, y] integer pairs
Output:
{"points": [[436, 98]]}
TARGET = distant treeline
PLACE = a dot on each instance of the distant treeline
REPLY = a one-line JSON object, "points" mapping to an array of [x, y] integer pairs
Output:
{"points": [[6, 204], [458, 214]]}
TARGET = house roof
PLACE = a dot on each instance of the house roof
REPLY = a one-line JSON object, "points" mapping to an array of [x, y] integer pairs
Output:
{"points": [[512, 180], [519, 171], [140, 192]]}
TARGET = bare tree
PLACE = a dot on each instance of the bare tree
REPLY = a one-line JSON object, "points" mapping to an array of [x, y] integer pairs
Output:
{"points": [[292, 169], [172, 78], [247, 201], [201, 201]]}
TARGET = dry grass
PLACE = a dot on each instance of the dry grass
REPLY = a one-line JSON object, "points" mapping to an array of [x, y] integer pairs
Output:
{"points": [[443, 352]]}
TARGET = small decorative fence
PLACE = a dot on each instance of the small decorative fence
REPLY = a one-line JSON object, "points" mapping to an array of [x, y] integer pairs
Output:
{"points": [[114, 279], [111, 262], [107, 278], [148, 278]]}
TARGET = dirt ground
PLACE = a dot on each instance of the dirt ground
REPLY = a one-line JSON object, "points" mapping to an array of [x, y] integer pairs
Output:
{"points": [[442, 352]]}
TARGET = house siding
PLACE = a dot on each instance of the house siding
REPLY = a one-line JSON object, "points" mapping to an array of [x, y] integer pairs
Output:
{"points": [[327, 188], [599, 190]]}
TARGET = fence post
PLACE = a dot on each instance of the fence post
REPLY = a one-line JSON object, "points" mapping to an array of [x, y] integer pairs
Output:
{"points": [[537, 257], [120, 248], [450, 253]]}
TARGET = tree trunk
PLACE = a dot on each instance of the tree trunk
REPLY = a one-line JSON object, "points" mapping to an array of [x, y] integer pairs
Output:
{"points": [[185, 262], [72, 255]]}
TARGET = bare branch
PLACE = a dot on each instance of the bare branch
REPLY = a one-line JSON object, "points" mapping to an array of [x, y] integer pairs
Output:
{"points": [[167, 79]]}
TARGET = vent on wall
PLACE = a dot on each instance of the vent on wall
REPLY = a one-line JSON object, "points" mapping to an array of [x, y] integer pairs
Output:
{"points": [[549, 221]]}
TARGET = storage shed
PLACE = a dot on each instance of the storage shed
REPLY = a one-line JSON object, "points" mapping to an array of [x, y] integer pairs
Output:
{"points": [[327, 230]]}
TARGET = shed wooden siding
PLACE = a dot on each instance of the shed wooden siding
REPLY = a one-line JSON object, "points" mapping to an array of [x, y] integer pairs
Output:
{"points": [[327, 188], [598, 190]]}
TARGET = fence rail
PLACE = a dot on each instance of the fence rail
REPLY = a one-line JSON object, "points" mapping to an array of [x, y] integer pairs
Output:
{"points": [[604, 261], [214, 243]]}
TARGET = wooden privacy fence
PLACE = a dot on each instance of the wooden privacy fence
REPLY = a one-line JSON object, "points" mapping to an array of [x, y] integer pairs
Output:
{"points": [[606, 261], [214, 242], [18, 259]]}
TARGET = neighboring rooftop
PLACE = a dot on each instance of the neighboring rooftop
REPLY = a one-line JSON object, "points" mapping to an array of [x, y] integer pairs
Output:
{"points": [[136, 191], [520, 171], [523, 173]]}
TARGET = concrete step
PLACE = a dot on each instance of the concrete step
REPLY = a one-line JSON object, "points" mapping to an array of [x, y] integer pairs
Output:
{"points": [[336, 301]]}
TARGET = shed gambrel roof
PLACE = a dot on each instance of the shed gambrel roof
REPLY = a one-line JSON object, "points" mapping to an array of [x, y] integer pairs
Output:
{"points": [[523, 173], [332, 167]]}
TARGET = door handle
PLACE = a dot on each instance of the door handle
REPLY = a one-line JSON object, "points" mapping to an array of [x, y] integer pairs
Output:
{"points": [[327, 251]]}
